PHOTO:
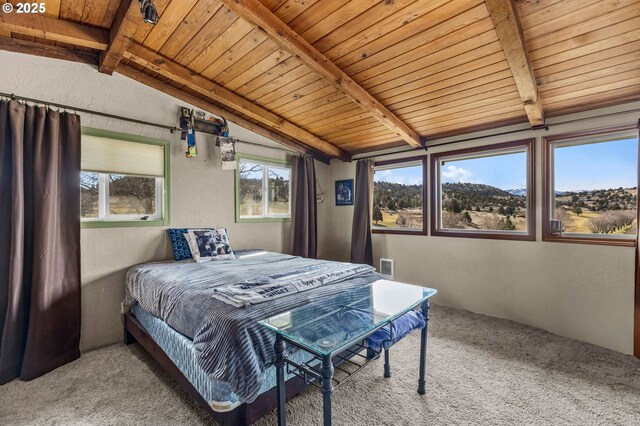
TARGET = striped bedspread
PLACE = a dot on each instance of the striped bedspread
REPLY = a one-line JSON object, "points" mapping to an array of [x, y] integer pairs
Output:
{"points": [[231, 346], [269, 287]]}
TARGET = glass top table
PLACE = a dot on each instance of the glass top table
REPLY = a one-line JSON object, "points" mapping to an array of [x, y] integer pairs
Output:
{"points": [[334, 330], [321, 329]]}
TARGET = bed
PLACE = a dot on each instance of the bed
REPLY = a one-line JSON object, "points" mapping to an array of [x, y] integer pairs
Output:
{"points": [[217, 352]]}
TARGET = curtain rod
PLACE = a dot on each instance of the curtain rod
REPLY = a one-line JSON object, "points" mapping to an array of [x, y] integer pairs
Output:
{"points": [[544, 127], [119, 117], [88, 111]]}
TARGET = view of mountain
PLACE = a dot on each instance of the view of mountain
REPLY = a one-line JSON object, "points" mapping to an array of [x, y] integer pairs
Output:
{"points": [[478, 189], [396, 195], [481, 206], [520, 192], [598, 200]]}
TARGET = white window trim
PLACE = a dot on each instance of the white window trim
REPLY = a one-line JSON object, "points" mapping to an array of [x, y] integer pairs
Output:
{"points": [[103, 202], [266, 166]]}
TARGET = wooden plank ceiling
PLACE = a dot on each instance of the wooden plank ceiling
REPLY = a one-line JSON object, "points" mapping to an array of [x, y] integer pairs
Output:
{"points": [[350, 76]]}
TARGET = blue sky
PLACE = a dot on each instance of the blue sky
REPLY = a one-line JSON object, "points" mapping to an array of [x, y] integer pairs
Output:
{"points": [[502, 171], [596, 166], [405, 175], [593, 166]]}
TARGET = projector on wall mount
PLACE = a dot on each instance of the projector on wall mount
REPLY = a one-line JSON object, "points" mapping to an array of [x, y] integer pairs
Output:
{"points": [[387, 268]]}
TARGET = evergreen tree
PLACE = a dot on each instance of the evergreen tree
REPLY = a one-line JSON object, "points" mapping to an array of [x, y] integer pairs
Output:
{"points": [[506, 224], [377, 214], [391, 205], [455, 206], [466, 217]]}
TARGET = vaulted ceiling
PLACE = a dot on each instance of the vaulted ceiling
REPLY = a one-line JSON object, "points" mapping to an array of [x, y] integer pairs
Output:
{"points": [[339, 77]]}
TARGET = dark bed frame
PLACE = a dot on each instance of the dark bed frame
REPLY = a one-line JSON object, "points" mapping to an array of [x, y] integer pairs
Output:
{"points": [[244, 414]]}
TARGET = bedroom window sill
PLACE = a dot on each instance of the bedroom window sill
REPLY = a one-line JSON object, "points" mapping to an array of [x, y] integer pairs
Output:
{"points": [[122, 223], [262, 219], [618, 242], [399, 231], [520, 236]]}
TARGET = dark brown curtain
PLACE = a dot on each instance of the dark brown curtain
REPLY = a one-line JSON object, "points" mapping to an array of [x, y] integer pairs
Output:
{"points": [[361, 250], [304, 226], [39, 240]]}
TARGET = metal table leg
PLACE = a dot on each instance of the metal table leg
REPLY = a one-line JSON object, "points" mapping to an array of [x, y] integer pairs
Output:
{"points": [[280, 382], [423, 348], [387, 366], [327, 389]]}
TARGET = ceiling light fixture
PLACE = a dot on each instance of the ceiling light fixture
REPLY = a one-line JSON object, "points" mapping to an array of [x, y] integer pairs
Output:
{"points": [[148, 11]]}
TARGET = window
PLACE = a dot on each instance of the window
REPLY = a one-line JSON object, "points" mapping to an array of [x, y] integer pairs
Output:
{"points": [[263, 191], [398, 196], [485, 192], [590, 185], [122, 182]]}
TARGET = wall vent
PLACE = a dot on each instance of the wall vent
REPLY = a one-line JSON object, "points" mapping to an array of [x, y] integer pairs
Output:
{"points": [[387, 268]]}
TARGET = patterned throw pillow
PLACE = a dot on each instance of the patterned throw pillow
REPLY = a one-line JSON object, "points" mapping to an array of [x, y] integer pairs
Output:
{"points": [[209, 244], [179, 244]]}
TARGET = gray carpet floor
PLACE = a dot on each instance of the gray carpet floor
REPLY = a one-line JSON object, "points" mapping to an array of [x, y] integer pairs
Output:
{"points": [[481, 370]]}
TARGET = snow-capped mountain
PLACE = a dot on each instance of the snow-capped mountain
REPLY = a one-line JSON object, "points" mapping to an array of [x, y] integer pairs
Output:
{"points": [[519, 192]]}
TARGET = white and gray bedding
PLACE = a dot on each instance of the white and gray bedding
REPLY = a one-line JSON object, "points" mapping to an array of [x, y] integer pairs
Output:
{"points": [[180, 350], [279, 284], [230, 346]]}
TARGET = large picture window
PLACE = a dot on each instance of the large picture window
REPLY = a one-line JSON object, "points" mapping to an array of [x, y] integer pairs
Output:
{"points": [[485, 192], [399, 196], [263, 190], [122, 182], [590, 188]]}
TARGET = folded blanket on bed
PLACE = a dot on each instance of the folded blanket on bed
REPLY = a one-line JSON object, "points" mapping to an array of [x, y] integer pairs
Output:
{"points": [[269, 287]]}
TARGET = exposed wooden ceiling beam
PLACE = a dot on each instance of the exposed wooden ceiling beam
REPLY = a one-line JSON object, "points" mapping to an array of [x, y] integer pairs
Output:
{"points": [[183, 76], [55, 29], [91, 58], [57, 52], [84, 36], [507, 24], [173, 91], [125, 24], [255, 13]]}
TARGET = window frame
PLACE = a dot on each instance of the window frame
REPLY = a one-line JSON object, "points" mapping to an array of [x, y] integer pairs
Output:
{"points": [[425, 200], [435, 200], [162, 189], [263, 161], [548, 143]]}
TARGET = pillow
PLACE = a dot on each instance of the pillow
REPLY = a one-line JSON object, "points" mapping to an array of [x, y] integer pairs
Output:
{"points": [[209, 244], [179, 244]]}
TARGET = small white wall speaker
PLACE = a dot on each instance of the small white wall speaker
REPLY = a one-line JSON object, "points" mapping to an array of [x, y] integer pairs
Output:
{"points": [[387, 268]]}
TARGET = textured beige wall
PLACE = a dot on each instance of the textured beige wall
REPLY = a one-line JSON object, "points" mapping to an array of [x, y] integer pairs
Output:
{"points": [[584, 292], [201, 193], [579, 291]]}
